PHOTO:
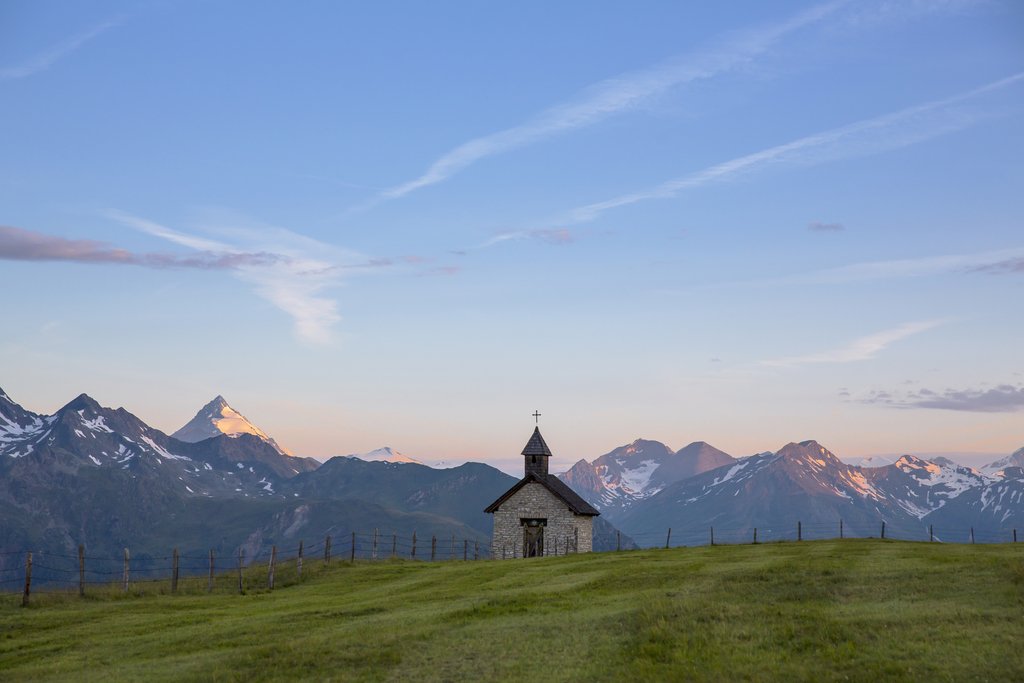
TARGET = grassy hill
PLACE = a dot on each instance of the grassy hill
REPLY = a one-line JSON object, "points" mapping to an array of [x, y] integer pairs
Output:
{"points": [[825, 610]]}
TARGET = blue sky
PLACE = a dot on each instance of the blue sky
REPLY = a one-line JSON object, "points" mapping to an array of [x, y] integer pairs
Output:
{"points": [[413, 224]]}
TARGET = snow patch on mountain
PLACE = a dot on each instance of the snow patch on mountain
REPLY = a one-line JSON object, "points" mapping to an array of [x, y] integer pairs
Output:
{"points": [[96, 424], [16, 438], [163, 452]]}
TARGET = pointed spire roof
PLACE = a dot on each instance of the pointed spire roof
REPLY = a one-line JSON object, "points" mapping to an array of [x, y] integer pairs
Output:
{"points": [[536, 445]]}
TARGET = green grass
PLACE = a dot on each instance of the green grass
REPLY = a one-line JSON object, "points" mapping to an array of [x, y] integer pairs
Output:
{"points": [[862, 610]]}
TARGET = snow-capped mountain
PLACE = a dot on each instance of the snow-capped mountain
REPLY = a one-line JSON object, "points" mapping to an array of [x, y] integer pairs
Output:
{"points": [[920, 487], [84, 434], [218, 418], [385, 454], [871, 461], [389, 454], [619, 479], [997, 468], [988, 509], [94, 434]]}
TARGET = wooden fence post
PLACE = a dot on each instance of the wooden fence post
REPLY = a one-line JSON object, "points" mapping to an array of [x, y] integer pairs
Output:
{"points": [[476, 549], [840, 529], [327, 549], [433, 547], [353, 559], [465, 549], [241, 561], [931, 533], [668, 539], [972, 535], [270, 568], [124, 577], [799, 532], [81, 570], [28, 579], [298, 562], [394, 546], [174, 571], [712, 535], [503, 552], [618, 541], [575, 539], [755, 535], [373, 547], [209, 583], [413, 554], [883, 529]]}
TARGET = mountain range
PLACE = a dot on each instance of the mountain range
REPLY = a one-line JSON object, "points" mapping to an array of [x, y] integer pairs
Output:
{"points": [[103, 477], [644, 488]]}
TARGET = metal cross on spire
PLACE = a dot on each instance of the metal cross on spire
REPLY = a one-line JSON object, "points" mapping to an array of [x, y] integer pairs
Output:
{"points": [[536, 417]]}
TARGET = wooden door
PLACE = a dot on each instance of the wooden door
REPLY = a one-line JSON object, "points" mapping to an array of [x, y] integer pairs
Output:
{"points": [[533, 541]]}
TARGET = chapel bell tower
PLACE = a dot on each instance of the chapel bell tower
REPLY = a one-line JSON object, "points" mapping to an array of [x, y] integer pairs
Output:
{"points": [[536, 455]]}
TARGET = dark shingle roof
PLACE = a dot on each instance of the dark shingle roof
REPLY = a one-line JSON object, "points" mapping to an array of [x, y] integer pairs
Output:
{"points": [[553, 484], [536, 445]]}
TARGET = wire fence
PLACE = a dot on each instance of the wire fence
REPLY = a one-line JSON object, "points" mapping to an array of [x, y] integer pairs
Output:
{"points": [[39, 572], [797, 530]]}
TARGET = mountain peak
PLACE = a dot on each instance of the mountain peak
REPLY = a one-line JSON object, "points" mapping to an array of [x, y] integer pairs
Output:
{"points": [[808, 450], [909, 463], [218, 418], [82, 402]]}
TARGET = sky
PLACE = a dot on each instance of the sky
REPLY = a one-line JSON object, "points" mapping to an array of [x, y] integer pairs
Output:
{"points": [[415, 224]]}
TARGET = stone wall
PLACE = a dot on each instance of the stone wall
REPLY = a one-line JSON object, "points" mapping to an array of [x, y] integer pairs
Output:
{"points": [[535, 501]]}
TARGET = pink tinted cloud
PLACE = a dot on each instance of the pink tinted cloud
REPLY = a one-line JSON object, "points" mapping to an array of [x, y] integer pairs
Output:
{"points": [[17, 244]]}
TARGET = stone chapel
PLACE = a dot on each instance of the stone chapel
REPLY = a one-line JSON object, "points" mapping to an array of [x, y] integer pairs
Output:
{"points": [[540, 515]]}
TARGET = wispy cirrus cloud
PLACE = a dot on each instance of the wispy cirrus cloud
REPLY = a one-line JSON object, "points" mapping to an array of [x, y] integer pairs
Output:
{"points": [[612, 96], [1002, 261], [44, 60], [870, 136], [1004, 398], [297, 281], [557, 236], [860, 349]]}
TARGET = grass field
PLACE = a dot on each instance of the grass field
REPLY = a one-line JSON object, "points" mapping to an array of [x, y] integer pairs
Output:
{"points": [[866, 610]]}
